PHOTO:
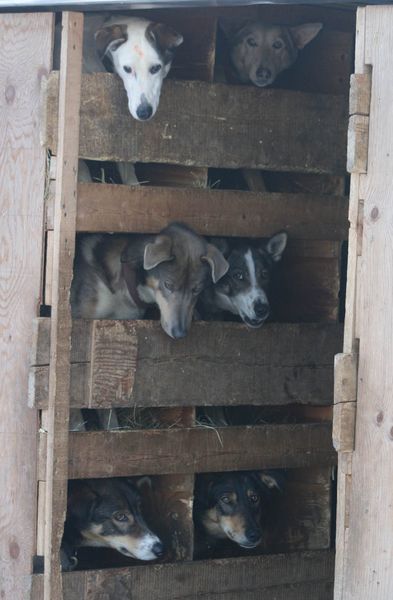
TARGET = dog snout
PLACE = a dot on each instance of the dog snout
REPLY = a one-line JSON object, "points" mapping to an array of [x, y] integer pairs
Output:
{"points": [[178, 331], [264, 74], [144, 112], [253, 535], [261, 309], [158, 549]]}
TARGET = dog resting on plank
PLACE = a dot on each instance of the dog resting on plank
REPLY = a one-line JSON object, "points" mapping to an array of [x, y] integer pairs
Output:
{"points": [[118, 276], [107, 513]]}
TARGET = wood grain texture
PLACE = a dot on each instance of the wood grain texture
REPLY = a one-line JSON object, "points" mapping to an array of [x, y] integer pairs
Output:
{"points": [[281, 363], [60, 333], [360, 94], [196, 449], [264, 129], [120, 208], [357, 148], [25, 61], [277, 577], [369, 553]]}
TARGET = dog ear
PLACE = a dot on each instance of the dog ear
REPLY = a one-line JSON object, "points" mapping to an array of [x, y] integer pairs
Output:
{"points": [[230, 27], [303, 34], [157, 252], [276, 245], [269, 480], [164, 38], [109, 38], [219, 265]]}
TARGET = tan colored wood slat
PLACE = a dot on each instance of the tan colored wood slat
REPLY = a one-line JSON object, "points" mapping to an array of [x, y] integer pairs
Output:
{"points": [[117, 208], [345, 395], [357, 150], [277, 577], [266, 129], [281, 363], [369, 559], [198, 449], [25, 50], [63, 246], [360, 94]]}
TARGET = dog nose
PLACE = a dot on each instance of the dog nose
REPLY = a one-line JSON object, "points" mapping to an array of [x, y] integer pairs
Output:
{"points": [[144, 112], [264, 74], [178, 332], [158, 549], [253, 535], [261, 309]]}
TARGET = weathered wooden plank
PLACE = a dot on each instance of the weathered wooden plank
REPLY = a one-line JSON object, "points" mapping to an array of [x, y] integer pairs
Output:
{"points": [[140, 209], [368, 550], [25, 51], [357, 148], [60, 333], [264, 129], [195, 449], [155, 174], [278, 364], [360, 94], [285, 576]]}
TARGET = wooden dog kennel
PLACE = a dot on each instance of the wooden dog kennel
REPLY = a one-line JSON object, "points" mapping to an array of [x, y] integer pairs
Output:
{"points": [[53, 364]]}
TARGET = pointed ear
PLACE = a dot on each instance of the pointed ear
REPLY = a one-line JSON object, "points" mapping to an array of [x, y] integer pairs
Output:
{"points": [[303, 34], [276, 245], [157, 252], [164, 39], [109, 38], [230, 27], [217, 262], [269, 480]]}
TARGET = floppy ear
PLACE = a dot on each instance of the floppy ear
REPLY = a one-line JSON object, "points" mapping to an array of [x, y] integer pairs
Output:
{"points": [[109, 38], [276, 245], [217, 262], [157, 252], [164, 38], [303, 34]]}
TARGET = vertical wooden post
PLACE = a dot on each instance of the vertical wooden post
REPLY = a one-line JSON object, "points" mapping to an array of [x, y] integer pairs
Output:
{"points": [[63, 256], [26, 54]]}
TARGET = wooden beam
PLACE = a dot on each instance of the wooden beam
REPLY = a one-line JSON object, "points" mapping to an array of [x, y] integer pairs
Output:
{"points": [[60, 334], [26, 51], [277, 364], [264, 129], [278, 577], [365, 522], [194, 449], [140, 209]]}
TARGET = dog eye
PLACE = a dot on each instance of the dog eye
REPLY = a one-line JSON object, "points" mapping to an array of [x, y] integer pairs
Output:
{"points": [[225, 499], [238, 275], [251, 42], [169, 286], [127, 69], [265, 273], [119, 516], [195, 290], [254, 498], [277, 45], [154, 69]]}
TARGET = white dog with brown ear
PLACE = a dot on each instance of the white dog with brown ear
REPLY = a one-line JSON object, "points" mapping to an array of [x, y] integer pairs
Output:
{"points": [[140, 52]]}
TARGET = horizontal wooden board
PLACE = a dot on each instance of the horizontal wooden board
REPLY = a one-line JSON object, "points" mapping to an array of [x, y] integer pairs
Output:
{"points": [[294, 576], [229, 126], [216, 364], [108, 207], [194, 449]]}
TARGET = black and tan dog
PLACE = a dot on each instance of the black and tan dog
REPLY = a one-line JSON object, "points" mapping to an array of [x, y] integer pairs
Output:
{"points": [[243, 291], [107, 513], [118, 276], [233, 505]]}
